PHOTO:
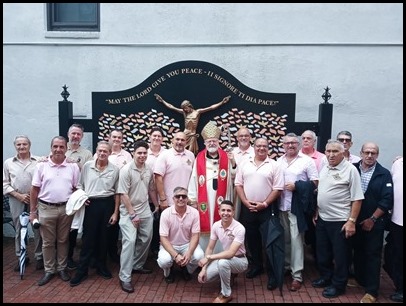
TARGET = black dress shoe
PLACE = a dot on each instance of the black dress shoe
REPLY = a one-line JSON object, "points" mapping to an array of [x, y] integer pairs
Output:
{"points": [[103, 272], [142, 271], [321, 283], [77, 279], [170, 278], [45, 280], [271, 285], [332, 292], [126, 286], [64, 275], [397, 297], [254, 272]]}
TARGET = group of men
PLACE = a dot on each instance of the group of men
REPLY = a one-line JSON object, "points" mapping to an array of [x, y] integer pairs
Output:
{"points": [[189, 203]]}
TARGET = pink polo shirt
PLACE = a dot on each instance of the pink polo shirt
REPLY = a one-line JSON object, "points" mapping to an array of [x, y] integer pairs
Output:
{"points": [[56, 182], [259, 181], [234, 233], [175, 169], [179, 229]]}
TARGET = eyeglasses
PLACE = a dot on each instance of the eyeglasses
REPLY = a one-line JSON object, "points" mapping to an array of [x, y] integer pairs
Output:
{"points": [[344, 139], [181, 196], [369, 153], [291, 143]]}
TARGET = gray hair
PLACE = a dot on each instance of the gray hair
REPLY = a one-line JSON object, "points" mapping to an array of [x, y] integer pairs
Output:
{"points": [[333, 141], [314, 136], [179, 189], [345, 133], [103, 142], [59, 138], [76, 125], [291, 135], [22, 136]]}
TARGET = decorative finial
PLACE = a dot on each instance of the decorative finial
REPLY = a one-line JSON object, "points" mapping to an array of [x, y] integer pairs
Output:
{"points": [[326, 95], [65, 94]]}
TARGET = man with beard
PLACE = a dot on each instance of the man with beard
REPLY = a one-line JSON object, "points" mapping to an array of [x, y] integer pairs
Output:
{"points": [[211, 181]]}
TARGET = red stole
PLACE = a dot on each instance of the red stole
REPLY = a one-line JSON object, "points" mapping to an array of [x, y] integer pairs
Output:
{"points": [[202, 200]]}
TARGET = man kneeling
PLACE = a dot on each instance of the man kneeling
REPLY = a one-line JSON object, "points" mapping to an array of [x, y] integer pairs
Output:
{"points": [[232, 260], [179, 232]]}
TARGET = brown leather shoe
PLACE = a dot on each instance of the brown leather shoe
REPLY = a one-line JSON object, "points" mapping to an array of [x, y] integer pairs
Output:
{"points": [[222, 299], [127, 287], [295, 286]]}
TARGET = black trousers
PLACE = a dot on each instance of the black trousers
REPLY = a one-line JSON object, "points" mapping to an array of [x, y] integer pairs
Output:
{"points": [[332, 252], [73, 236], [95, 237], [367, 256], [255, 234], [393, 255], [154, 247]]}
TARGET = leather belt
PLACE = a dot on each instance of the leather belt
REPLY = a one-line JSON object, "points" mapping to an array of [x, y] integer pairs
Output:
{"points": [[240, 255], [53, 204]]}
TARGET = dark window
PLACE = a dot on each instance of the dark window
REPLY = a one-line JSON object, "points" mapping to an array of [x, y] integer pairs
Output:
{"points": [[73, 16]]}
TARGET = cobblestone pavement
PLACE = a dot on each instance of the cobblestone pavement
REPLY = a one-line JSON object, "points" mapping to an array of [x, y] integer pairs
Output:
{"points": [[152, 288]]}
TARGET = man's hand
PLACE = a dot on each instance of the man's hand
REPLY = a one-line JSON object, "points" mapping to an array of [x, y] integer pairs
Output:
{"points": [[202, 277], [185, 259], [254, 206], [367, 224], [349, 229], [158, 97], [22, 197]]}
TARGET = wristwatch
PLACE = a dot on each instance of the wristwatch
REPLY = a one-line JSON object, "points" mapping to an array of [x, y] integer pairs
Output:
{"points": [[373, 218], [353, 220]]}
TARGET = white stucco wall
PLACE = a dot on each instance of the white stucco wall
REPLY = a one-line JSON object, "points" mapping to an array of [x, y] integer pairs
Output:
{"points": [[356, 49]]}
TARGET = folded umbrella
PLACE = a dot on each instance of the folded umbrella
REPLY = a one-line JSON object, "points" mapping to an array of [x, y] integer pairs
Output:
{"points": [[24, 220], [275, 248]]}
